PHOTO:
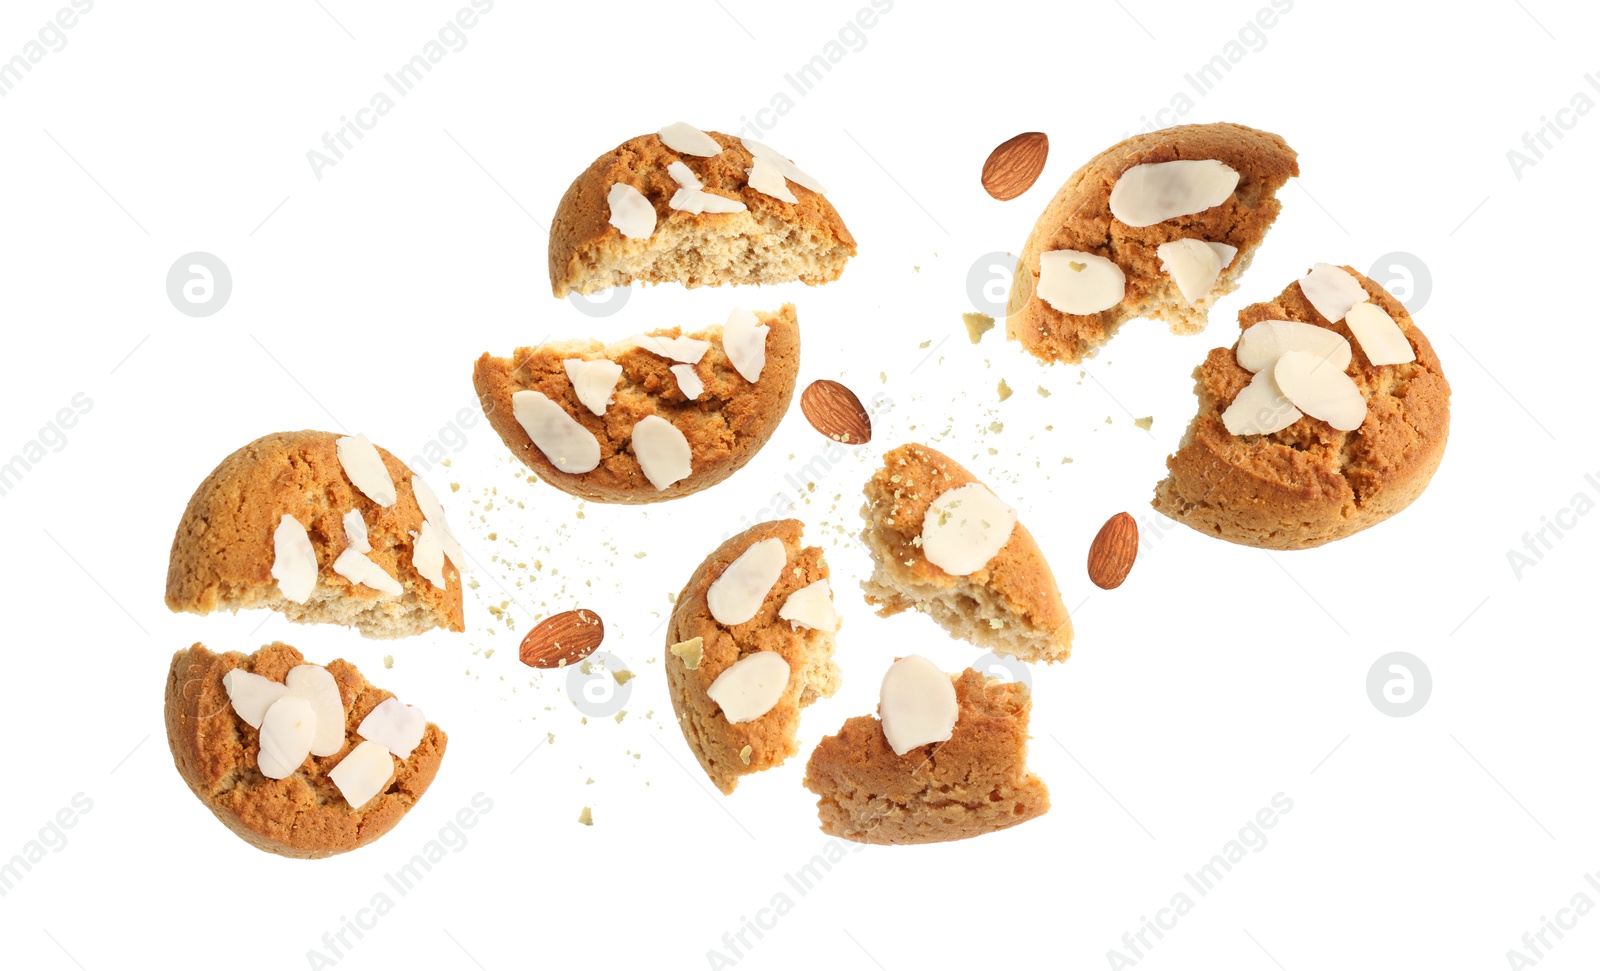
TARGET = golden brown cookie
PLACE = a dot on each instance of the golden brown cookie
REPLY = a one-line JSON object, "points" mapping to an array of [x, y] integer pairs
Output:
{"points": [[771, 241], [724, 427], [717, 743], [304, 815], [1011, 605], [222, 555], [1079, 218], [1309, 483], [975, 783]]}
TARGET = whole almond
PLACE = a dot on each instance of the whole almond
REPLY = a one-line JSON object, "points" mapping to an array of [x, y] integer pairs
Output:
{"points": [[1113, 551], [835, 411], [565, 638], [1014, 166]]}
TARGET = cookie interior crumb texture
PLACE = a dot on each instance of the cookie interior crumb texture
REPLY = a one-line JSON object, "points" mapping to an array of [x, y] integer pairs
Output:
{"points": [[223, 551], [303, 815], [976, 782], [716, 742], [1079, 218], [1010, 606], [772, 241], [1309, 483]]}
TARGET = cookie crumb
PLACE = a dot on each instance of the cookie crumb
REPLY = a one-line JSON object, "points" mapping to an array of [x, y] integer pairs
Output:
{"points": [[977, 325], [1145, 422], [744, 754], [586, 817], [388, 661], [1044, 392], [1003, 389]]}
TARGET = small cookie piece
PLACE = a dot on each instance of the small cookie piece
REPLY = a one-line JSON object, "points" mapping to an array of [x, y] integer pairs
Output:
{"points": [[768, 739], [304, 815], [724, 425], [975, 783], [767, 240], [225, 553], [1079, 220], [1308, 483], [1008, 604]]}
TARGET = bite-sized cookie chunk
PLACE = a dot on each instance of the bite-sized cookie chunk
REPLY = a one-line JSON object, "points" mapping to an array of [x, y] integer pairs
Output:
{"points": [[322, 528], [650, 418], [297, 759], [1159, 225], [946, 759], [1328, 415], [696, 208], [944, 544], [749, 644]]}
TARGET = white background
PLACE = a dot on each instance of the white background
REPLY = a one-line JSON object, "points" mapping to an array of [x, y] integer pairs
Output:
{"points": [[1215, 678]]}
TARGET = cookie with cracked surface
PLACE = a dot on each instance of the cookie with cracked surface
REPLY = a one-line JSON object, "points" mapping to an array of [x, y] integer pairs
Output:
{"points": [[976, 782], [718, 743], [1310, 483], [723, 426], [304, 815], [1010, 605], [1079, 219], [769, 240]]}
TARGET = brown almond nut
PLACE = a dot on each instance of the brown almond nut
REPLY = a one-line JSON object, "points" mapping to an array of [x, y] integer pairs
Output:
{"points": [[565, 638], [1014, 166], [835, 411], [1113, 551]]}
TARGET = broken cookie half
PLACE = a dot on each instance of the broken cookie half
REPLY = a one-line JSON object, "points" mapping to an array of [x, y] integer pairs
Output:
{"points": [[1159, 225], [749, 644], [945, 759], [944, 544]]}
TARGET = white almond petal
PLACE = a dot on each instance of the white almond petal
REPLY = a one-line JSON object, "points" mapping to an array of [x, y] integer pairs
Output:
{"points": [[363, 773], [1074, 282], [294, 562], [593, 381], [750, 686], [688, 380], [1332, 290], [684, 350], [788, 168], [736, 595], [767, 179], [355, 532], [965, 528], [1264, 342], [251, 694], [434, 513], [1152, 193], [288, 730], [631, 212], [1259, 408], [916, 704], [397, 727], [811, 606], [568, 445], [1225, 253], [680, 136], [744, 340], [1379, 336], [1320, 390], [663, 453], [684, 176], [427, 555], [359, 568], [365, 469], [698, 200], [316, 685], [1193, 265]]}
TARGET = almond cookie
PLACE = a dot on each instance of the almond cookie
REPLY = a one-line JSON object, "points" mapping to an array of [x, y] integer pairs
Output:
{"points": [[696, 208], [322, 528], [650, 418], [1159, 225], [1258, 466], [942, 543], [974, 780], [285, 799], [749, 644]]}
